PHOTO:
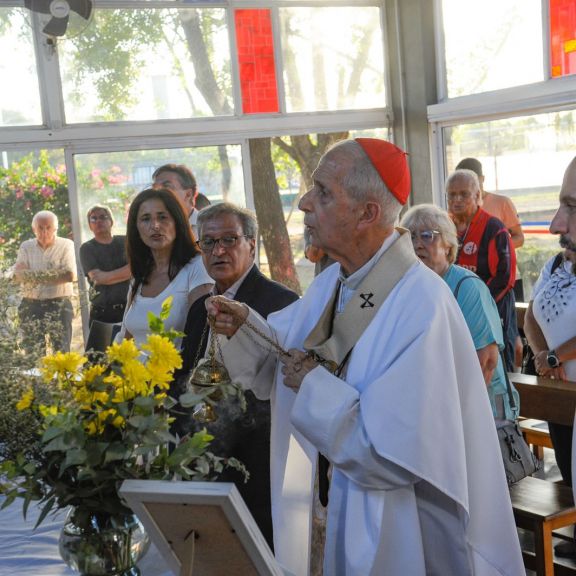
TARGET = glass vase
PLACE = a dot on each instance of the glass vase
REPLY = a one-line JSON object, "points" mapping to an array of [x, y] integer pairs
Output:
{"points": [[103, 544]]}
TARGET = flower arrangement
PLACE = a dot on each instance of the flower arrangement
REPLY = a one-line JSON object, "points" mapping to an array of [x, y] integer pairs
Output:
{"points": [[99, 423]]}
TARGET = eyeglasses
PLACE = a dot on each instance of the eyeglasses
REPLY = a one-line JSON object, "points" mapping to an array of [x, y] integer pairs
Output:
{"points": [[208, 244], [453, 197], [102, 218], [425, 236]]}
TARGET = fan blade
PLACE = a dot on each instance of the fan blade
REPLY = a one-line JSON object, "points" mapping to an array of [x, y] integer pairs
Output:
{"points": [[41, 6], [56, 27], [82, 7]]}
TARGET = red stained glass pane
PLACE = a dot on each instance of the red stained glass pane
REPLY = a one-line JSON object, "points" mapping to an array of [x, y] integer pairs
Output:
{"points": [[562, 37], [255, 47]]}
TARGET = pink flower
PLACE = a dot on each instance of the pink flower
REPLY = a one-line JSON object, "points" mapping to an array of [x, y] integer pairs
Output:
{"points": [[96, 173], [19, 193], [47, 191]]}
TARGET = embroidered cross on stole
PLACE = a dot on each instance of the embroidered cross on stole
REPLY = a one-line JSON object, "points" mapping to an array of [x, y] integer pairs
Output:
{"points": [[335, 335]]}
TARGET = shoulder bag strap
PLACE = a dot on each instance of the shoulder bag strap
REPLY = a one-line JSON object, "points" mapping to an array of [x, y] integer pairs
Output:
{"points": [[513, 405]]}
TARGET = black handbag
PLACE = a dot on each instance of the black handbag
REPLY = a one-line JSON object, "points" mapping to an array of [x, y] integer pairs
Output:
{"points": [[519, 460]]}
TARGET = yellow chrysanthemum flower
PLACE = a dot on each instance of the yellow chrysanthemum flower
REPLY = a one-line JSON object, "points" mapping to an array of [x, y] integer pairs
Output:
{"points": [[159, 377], [118, 422], [62, 364], [162, 352], [47, 410], [25, 401], [123, 352], [91, 428], [92, 372]]}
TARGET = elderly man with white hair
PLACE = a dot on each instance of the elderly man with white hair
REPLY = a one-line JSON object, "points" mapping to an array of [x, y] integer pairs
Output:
{"points": [[46, 269], [485, 247], [380, 377]]}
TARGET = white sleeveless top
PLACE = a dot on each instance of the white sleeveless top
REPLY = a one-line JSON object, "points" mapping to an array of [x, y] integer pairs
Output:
{"points": [[136, 317]]}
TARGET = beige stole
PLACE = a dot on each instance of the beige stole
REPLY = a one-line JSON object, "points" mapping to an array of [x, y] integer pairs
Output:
{"points": [[335, 335]]}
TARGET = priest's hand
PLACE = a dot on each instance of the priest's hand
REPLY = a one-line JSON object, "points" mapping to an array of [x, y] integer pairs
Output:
{"points": [[225, 315], [295, 367]]}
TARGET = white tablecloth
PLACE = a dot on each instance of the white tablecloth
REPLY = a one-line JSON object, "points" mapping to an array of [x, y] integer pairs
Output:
{"points": [[28, 552]]}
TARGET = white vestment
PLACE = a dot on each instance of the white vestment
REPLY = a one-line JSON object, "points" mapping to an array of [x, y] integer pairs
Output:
{"points": [[418, 486]]}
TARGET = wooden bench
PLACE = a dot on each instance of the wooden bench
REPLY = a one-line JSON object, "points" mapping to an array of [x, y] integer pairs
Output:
{"points": [[541, 506], [536, 434]]}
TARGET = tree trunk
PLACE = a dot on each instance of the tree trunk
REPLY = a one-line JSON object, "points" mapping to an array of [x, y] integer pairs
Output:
{"points": [[307, 154], [271, 216], [207, 83]]}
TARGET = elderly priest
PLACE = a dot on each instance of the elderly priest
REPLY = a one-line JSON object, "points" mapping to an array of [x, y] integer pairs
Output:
{"points": [[382, 380]]}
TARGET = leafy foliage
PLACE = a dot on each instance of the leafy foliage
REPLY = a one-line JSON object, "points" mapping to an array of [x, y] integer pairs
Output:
{"points": [[99, 424]]}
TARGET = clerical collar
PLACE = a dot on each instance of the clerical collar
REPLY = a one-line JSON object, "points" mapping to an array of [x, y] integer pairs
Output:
{"points": [[349, 284], [231, 292]]}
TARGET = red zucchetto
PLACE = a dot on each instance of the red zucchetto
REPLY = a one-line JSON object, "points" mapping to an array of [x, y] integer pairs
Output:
{"points": [[390, 162]]}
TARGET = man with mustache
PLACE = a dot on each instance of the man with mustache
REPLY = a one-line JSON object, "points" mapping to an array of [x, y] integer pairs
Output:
{"points": [[550, 323]]}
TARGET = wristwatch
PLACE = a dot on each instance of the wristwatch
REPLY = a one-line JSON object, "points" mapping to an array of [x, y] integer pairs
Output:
{"points": [[552, 359]]}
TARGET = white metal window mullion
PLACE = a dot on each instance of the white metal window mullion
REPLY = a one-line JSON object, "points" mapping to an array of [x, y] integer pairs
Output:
{"points": [[234, 67], [49, 82], [278, 58], [546, 40], [440, 45], [437, 163], [76, 217]]}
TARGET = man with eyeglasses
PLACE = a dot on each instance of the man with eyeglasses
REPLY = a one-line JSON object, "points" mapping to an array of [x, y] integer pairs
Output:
{"points": [[228, 242], [46, 269], [180, 180], [104, 262], [381, 426], [485, 247]]}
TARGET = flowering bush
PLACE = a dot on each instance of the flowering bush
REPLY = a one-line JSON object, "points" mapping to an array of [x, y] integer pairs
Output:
{"points": [[29, 185], [99, 424]]}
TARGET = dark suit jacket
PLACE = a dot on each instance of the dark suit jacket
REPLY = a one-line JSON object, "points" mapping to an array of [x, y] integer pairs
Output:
{"points": [[242, 435]]}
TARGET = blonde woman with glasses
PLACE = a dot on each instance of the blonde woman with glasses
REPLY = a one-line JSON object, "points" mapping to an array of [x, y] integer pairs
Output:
{"points": [[436, 243]]}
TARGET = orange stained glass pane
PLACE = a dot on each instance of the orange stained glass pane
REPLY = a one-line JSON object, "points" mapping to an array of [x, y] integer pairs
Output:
{"points": [[562, 37], [255, 46]]}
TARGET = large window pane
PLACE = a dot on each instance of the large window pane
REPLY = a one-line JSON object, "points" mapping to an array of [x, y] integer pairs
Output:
{"points": [[113, 178], [525, 159], [20, 95], [492, 44], [148, 64], [333, 58]]}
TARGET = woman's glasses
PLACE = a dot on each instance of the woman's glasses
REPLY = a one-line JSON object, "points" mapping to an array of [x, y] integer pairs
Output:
{"points": [[425, 236]]}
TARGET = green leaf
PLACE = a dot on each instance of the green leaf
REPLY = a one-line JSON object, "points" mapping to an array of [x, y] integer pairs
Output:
{"points": [[116, 451], [145, 402], [74, 457], [52, 433], [49, 505], [10, 497], [189, 399], [166, 307]]}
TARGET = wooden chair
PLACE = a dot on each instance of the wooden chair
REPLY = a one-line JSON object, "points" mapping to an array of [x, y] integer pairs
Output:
{"points": [[536, 434], [541, 506]]}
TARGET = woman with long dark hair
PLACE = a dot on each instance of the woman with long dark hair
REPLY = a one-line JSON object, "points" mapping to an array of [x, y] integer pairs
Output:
{"points": [[164, 260]]}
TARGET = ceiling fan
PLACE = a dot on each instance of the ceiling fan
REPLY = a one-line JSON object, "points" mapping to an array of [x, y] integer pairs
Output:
{"points": [[62, 18]]}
